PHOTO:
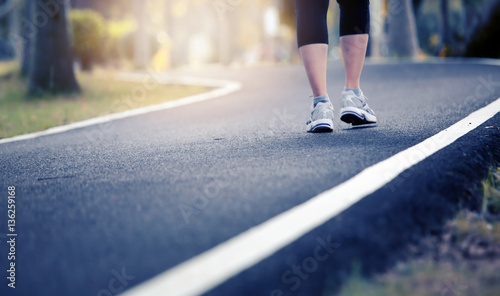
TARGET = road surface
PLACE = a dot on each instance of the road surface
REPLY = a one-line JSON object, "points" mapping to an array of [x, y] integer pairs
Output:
{"points": [[104, 208]]}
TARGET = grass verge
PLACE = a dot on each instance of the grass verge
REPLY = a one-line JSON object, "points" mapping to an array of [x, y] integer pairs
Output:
{"points": [[101, 94], [462, 260]]}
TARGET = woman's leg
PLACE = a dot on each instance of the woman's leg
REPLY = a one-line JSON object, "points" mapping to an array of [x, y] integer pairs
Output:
{"points": [[354, 52], [312, 36], [315, 58], [354, 29]]}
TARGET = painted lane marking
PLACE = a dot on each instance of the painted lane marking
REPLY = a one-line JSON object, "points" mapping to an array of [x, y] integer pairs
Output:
{"points": [[213, 267]]}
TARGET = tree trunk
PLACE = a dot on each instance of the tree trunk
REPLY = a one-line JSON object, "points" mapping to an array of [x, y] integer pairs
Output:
{"points": [[142, 42], [445, 28], [51, 68], [27, 33], [225, 16], [416, 6], [8, 27], [170, 29], [376, 28], [14, 25], [402, 35]]}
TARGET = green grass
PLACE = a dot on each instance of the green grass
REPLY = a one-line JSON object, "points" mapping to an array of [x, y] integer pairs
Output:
{"points": [[466, 274], [101, 94], [416, 279], [427, 278], [491, 192]]}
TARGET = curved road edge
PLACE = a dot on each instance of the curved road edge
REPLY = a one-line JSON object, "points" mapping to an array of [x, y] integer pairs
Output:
{"points": [[221, 88]]}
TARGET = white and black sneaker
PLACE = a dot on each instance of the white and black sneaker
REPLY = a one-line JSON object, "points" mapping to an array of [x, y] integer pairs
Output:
{"points": [[355, 109], [321, 118]]}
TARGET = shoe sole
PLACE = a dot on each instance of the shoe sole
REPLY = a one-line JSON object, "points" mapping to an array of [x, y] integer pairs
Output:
{"points": [[320, 126], [356, 116]]}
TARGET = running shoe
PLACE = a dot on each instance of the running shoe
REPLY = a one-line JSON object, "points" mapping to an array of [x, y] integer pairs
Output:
{"points": [[355, 109], [321, 118]]}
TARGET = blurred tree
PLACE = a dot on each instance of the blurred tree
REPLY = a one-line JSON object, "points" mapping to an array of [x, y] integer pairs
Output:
{"points": [[478, 13], [287, 13], [445, 28], [9, 18], [51, 66], [5, 7], [416, 5], [27, 33], [226, 23], [89, 35], [402, 32], [142, 42], [119, 43], [14, 24], [170, 29], [376, 28], [486, 43]]}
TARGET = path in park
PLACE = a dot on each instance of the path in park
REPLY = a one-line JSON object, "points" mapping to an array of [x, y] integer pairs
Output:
{"points": [[151, 191]]}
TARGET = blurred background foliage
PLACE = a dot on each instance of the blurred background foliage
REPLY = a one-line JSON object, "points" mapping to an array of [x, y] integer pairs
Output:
{"points": [[161, 34], [90, 35], [164, 34]]}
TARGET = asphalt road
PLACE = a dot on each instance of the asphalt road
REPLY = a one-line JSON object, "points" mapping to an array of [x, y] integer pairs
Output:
{"points": [[145, 193]]}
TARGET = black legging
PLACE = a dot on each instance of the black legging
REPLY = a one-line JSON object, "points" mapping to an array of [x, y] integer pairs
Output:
{"points": [[311, 19]]}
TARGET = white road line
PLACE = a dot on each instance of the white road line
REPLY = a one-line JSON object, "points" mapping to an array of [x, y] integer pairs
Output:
{"points": [[223, 88], [213, 267]]}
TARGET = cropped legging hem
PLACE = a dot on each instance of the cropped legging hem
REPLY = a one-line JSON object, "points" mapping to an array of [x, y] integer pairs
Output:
{"points": [[312, 19]]}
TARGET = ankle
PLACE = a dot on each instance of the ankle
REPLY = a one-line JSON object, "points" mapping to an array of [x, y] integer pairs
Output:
{"points": [[321, 99], [356, 91]]}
